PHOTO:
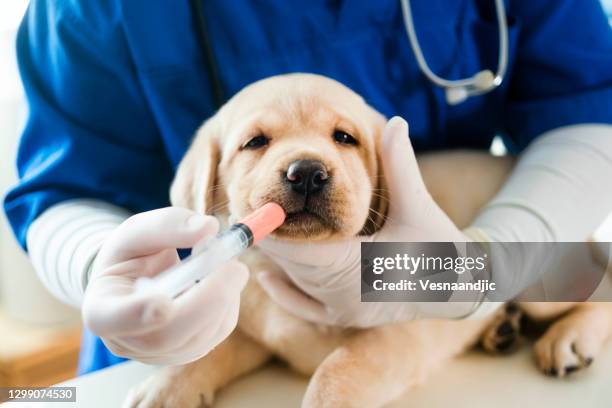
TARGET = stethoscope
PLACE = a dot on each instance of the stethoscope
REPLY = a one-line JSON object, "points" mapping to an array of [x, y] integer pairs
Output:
{"points": [[456, 90]]}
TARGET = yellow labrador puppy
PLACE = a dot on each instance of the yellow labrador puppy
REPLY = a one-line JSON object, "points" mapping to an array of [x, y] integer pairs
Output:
{"points": [[248, 154]]}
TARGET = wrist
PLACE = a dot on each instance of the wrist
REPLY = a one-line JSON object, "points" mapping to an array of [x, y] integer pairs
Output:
{"points": [[64, 241]]}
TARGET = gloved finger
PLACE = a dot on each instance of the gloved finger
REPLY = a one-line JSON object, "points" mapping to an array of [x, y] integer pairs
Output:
{"points": [[152, 231], [173, 351], [197, 310], [203, 342], [293, 300], [313, 254], [401, 169], [138, 312], [228, 322]]}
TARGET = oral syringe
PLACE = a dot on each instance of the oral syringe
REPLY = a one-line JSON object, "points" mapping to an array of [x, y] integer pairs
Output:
{"points": [[225, 246]]}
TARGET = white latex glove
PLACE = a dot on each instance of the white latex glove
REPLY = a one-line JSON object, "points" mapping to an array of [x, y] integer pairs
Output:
{"points": [[153, 328], [323, 280]]}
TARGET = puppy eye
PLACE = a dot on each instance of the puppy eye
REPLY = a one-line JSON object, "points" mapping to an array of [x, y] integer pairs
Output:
{"points": [[344, 138], [257, 142]]}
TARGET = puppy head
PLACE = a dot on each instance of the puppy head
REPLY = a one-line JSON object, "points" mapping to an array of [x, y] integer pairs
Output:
{"points": [[303, 141]]}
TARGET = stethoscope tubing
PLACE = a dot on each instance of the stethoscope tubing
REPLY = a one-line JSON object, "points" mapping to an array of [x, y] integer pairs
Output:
{"points": [[502, 63]]}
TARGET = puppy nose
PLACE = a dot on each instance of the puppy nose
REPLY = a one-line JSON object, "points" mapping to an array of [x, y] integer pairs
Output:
{"points": [[307, 176]]}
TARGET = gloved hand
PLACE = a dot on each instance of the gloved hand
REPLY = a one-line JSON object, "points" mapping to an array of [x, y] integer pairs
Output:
{"points": [[153, 328], [323, 280]]}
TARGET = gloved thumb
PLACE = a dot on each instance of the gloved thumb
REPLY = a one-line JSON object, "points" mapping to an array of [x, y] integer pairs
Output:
{"points": [[402, 174]]}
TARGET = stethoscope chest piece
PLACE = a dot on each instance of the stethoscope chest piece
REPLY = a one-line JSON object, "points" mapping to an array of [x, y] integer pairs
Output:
{"points": [[484, 81]]}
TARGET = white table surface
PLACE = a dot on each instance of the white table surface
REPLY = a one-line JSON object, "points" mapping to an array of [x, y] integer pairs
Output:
{"points": [[473, 381]]}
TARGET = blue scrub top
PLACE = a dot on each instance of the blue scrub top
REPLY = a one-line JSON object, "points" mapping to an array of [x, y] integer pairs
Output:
{"points": [[116, 88]]}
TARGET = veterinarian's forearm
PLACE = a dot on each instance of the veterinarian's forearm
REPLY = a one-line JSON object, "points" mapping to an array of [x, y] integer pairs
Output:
{"points": [[559, 191], [64, 240]]}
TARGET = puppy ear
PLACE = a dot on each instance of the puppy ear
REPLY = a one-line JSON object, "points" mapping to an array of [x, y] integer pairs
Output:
{"points": [[194, 183], [379, 204]]}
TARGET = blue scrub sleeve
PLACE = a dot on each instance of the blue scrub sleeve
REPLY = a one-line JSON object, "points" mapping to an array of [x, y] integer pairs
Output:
{"points": [[94, 355], [562, 73], [89, 131]]}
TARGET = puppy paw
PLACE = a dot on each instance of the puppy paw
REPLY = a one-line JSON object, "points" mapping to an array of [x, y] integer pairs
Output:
{"points": [[572, 343], [503, 334], [164, 390]]}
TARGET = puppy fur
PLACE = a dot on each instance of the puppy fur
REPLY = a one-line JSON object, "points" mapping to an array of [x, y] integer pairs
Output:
{"points": [[229, 171]]}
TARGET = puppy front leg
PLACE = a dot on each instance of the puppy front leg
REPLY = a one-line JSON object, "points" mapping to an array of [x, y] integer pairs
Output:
{"points": [[572, 342], [194, 385], [375, 366]]}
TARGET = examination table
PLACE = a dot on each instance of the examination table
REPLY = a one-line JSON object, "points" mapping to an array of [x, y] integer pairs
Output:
{"points": [[474, 381]]}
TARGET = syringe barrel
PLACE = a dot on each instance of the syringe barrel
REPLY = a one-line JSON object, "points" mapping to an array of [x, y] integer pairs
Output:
{"points": [[196, 267]]}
